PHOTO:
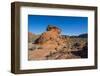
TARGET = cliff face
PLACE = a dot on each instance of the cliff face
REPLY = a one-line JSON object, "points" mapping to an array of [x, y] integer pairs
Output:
{"points": [[52, 45]]}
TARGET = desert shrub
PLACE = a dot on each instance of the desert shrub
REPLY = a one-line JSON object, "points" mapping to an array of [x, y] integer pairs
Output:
{"points": [[40, 47], [32, 48], [76, 45]]}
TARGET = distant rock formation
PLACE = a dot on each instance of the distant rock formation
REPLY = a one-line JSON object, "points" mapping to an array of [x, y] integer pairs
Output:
{"points": [[32, 37], [83, 35]]}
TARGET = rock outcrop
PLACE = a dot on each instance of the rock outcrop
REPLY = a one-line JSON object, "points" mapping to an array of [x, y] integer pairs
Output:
{"points": [[51, 38], [52, 45], [52, 34]]}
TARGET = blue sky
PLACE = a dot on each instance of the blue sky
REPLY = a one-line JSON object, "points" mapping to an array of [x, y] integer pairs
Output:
{"points": [[69, 25]]}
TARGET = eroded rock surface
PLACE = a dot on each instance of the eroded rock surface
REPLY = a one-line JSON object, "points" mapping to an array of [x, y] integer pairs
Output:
{"points": [[52, 45]]}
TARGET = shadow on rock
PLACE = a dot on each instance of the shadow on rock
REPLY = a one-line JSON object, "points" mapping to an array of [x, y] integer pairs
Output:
{"points": [[83, 53]]}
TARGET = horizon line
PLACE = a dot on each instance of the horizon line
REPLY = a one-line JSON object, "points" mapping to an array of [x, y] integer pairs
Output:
{"points": [[61, 34]]}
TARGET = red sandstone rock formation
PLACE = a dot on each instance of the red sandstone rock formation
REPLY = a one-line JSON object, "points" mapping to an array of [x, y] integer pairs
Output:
{"points": [[51, 45], [51, 34]]}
